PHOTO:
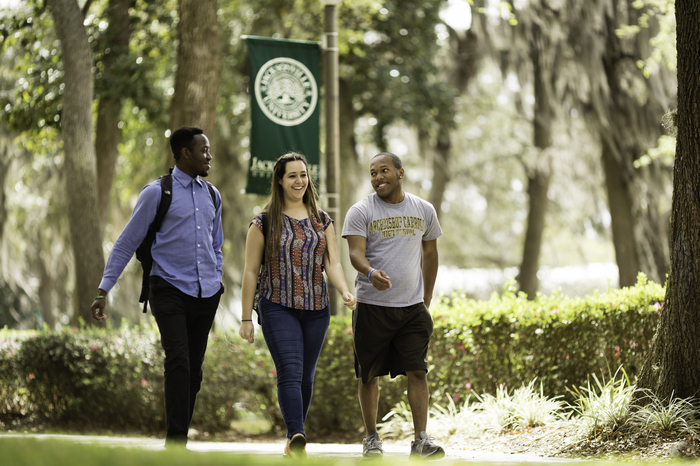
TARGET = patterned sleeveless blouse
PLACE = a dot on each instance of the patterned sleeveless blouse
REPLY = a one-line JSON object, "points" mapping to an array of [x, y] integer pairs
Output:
{"points": [[295, 277]]}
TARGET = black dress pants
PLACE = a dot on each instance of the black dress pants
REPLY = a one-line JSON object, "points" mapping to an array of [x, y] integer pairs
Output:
{"points": [[184, 323]]}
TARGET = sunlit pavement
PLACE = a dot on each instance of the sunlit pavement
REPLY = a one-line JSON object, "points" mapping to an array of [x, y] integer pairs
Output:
{"points": [[392, 451]]}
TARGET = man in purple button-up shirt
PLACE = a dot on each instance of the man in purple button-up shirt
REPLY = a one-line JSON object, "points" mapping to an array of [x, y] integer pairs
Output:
{"points": [[185, 281]]}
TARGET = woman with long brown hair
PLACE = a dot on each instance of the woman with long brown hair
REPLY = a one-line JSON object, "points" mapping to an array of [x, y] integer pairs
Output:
{"points": [[294, 241]]}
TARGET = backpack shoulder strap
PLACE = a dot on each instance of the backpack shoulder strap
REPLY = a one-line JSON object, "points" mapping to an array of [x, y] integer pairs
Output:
{"points": [[166, 197], [143, 252], [212, 193]]}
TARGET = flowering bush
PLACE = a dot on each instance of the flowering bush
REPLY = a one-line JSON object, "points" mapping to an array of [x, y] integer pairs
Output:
{"points": [[91, 377]]}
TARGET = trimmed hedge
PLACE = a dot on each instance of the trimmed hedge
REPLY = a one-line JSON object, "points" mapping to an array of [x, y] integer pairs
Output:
{"points": [[112, 378], [478, 345], [89, 377]]}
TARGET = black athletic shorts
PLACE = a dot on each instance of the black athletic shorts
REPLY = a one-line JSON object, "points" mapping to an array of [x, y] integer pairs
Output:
{"points": [[390, 340]]}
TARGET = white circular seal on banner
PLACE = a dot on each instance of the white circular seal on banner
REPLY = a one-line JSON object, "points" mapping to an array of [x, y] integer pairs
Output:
{"points": [[286, 91]]}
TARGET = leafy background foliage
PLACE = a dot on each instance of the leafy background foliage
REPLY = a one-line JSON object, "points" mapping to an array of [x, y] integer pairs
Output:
{"points": [[397, 59]]}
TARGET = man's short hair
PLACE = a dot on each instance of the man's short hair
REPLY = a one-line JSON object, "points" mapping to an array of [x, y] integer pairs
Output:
{"points": [[395, 160], [183, 137]]}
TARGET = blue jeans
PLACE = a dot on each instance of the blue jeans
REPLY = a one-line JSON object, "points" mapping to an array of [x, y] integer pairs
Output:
{"points": [[294, 338]]}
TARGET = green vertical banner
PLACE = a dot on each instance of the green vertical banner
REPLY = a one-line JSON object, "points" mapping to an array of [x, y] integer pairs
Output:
{"points": [[284, 93]]}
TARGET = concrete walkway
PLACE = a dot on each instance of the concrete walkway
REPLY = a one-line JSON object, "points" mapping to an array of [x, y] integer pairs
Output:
{"points": [[395, 451]]}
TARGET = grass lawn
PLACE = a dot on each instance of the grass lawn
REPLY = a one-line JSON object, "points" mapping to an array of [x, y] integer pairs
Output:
{"points": [[16, 451]]}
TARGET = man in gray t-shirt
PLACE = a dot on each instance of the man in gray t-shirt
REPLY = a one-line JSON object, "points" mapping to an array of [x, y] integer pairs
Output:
{"points": [[392, 236]]}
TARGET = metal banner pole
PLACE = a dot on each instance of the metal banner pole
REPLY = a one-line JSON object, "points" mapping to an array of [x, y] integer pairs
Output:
{"points": [[330, 72]]}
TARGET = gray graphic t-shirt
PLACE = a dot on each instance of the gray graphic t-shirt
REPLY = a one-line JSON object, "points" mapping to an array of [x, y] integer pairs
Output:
{"points": [[394, 233]]}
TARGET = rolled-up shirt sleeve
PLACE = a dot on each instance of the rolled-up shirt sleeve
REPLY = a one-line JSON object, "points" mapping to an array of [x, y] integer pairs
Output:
{"points": [[133, 234]]}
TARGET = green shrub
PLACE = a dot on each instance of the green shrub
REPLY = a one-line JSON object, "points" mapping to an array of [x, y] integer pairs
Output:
{"points": [[508, 341], [238, 377], [478, 345], [13, 399], [93, 377], [112, 378]]}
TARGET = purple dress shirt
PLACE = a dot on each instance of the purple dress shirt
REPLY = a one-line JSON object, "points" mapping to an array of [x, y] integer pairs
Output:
{"points": [[187, 249]]}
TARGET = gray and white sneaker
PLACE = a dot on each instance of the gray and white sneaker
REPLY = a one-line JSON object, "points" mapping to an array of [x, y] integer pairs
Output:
{"points": [[372, 446], [426, 449]]}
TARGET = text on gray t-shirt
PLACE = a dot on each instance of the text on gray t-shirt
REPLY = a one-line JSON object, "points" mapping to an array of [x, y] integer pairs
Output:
{"points": [[394, 233]]}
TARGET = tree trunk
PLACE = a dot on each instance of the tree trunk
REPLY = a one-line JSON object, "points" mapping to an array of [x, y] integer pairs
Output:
{"points": [[670, 368], [537, 189], [354, 184], [651, 228], [108, 134], [540, 174], [467, 55], [622, 223], [441, 169], [624, 107], [79, 152], [629, 126], [230, 179], [5, 161], [198, 69], [46, 277]]}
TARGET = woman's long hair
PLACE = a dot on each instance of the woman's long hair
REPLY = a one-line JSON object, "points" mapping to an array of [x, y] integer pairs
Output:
{"points": [[275, 205]]}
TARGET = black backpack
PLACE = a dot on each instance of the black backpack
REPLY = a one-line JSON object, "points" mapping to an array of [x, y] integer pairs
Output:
{"points": [[143, 252]]}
